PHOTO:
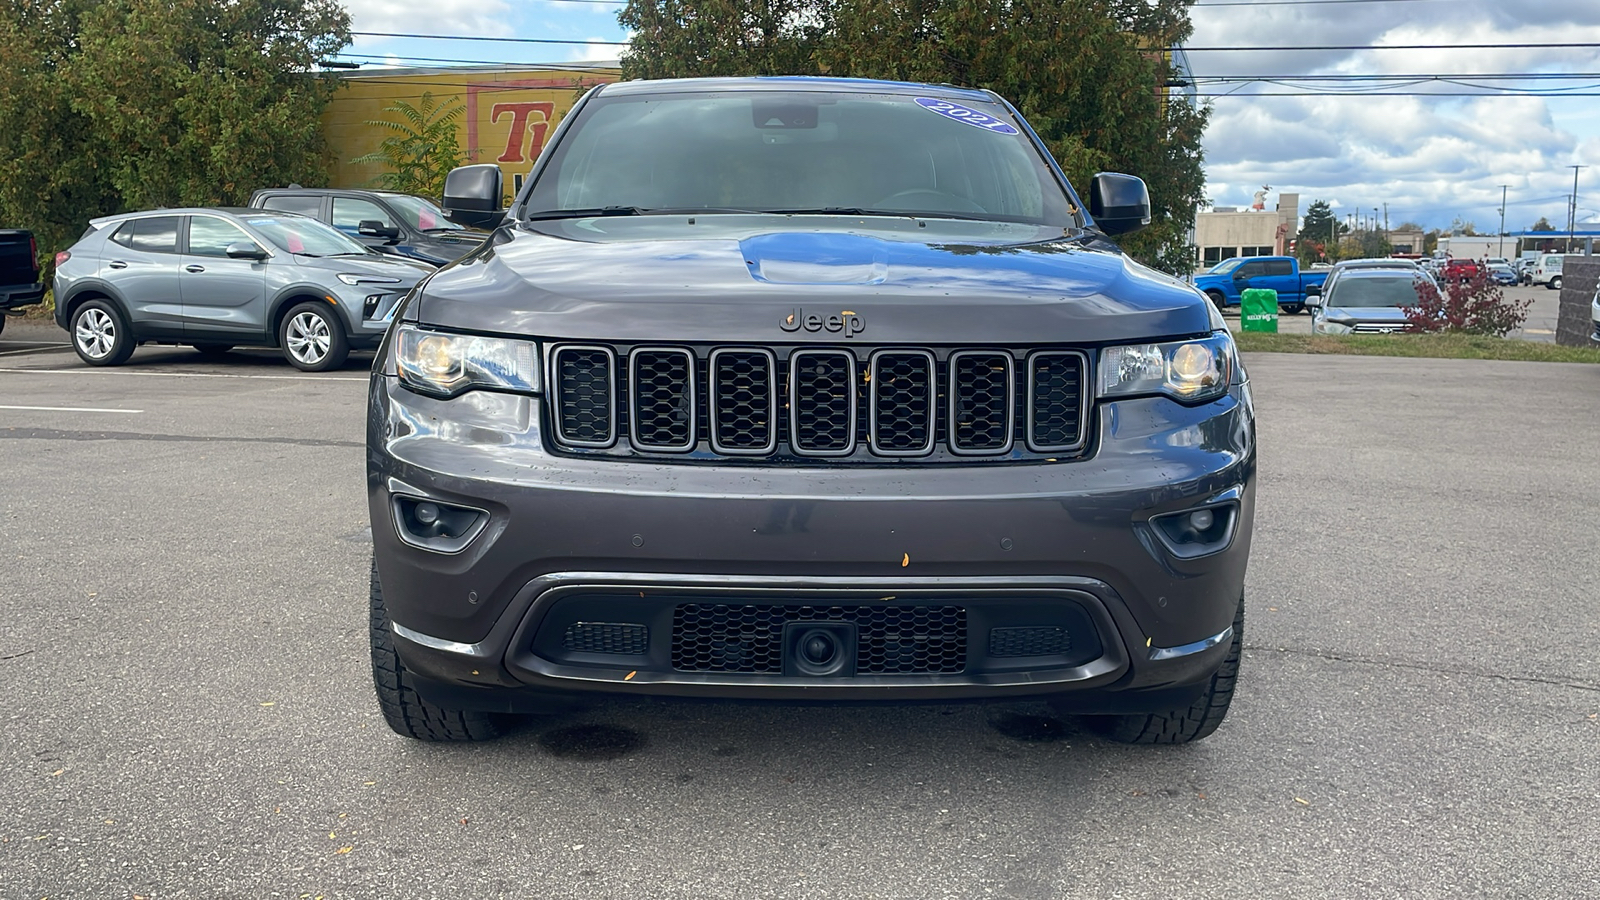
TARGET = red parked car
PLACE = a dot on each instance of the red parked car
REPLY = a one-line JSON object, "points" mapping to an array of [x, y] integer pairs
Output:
{"points": [[1462, 270]]}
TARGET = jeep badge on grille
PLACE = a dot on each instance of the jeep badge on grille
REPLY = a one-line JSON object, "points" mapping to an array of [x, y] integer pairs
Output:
{"points": [[846, 321]]}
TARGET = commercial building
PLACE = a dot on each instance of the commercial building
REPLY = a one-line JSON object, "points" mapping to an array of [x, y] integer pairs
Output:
{"points": [[507, 112], [1226, 232]]}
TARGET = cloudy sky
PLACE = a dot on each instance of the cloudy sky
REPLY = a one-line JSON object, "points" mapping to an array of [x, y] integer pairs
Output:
{"points": [[1353, 143]]}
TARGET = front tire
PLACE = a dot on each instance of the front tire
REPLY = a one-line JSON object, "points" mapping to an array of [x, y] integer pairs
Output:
{"points": [[403, 708], [312, 338], [1554, 283], [1218, 300], [1181, 726], [100, 334]]}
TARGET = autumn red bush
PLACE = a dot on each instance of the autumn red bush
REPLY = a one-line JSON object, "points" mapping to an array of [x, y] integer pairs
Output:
{"points": [[1474, 306]]}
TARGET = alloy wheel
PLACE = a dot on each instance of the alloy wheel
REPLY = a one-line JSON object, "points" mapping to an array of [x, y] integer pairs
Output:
{"points": [[309, 338], [96, 334]]}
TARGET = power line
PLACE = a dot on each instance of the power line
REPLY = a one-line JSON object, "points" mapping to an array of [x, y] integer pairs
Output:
{"points": [[479, 37]]}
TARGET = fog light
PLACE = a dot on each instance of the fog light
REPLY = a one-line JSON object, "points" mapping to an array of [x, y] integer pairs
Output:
{"points": [[1197, 532], [437, 526]]}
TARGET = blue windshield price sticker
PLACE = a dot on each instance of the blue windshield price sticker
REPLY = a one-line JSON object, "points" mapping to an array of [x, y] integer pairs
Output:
{"points": [[970, 116]]}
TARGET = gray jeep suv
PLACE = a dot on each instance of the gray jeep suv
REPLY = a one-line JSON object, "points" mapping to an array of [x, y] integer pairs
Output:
{"points": [[806, 389]]}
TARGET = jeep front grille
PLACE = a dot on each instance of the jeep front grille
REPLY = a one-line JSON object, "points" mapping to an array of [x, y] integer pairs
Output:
{"points": [[819, 403]]}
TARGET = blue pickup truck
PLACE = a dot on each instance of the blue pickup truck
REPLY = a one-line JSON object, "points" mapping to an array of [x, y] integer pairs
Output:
{"points": [[1280, 273]]}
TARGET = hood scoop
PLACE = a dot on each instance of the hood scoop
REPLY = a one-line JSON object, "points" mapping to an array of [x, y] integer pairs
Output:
{"points": [[816, 258]]}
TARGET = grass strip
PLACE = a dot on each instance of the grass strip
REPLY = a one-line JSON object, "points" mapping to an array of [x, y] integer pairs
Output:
{"points": [[1432, 346]]}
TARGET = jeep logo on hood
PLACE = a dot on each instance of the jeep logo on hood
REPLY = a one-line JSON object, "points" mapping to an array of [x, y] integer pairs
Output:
{"points": [[847, 321]]}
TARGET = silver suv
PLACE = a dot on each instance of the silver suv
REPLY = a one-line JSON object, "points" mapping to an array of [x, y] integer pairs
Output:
{"points": [[222, 278]]}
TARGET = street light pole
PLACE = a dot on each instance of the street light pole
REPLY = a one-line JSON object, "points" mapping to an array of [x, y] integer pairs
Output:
{"points": [[1572, 211], [1503, 220]]}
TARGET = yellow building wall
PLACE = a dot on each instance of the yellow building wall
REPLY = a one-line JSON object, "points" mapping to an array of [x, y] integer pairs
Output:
{"points": [[507, 115]]}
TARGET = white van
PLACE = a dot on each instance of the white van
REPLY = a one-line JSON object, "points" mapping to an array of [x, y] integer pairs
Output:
{"points": [[1547, 270]]}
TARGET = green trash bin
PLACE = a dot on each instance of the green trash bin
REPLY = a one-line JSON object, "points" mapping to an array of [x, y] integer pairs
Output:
{"points": [[1258, 310]]}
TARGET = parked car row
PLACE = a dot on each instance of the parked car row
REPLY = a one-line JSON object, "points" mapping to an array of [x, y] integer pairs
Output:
{"points": [[315, 273]]}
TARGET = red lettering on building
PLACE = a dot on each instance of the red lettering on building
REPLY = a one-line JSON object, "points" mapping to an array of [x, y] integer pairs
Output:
{"points": [[520, 113]]}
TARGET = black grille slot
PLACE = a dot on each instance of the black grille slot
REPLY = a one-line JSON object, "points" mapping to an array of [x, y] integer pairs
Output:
{"points": [[890, 640], [1030, 640], [903, 395], [981, 402], [584, 404], [822, 402], [744, 406], [606, 637], [1055, 401], [661, 387]]}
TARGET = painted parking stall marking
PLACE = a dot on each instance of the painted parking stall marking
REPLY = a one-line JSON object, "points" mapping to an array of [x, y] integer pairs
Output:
{"points": [[88, 409], [969, 116]]}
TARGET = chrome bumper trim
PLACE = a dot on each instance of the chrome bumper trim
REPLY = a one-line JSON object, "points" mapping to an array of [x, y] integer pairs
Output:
{"points": [[433, 643], [1160, 653]]}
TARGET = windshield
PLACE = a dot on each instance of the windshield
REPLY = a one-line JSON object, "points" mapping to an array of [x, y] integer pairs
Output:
{"points": [[1356, 292], [420, 214], [1224, 267], [794, 151], [304, 236]]}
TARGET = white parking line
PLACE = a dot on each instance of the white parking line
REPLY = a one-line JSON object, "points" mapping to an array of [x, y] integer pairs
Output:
{"points": [[72, 409], [181, 374]]}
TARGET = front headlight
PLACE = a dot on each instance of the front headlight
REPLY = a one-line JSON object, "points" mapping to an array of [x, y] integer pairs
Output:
{"points": [[1190, 371], [363, 278], [1328, 326], [445, 364]]}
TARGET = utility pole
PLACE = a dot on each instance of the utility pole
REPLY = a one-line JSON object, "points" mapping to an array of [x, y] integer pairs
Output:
{"points": [[1572, 210], [1503, 187]]}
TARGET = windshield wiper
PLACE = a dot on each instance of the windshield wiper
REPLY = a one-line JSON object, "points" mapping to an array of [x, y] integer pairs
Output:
{"points": [[437, 230], [591, 212], [304, 253]]}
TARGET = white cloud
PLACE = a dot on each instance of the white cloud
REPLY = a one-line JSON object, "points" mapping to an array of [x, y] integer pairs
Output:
{"points": [[476, 17], [1429, 158]]}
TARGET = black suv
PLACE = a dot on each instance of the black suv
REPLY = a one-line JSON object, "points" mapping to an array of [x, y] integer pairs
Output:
{"points": [[19, 272], [801, 389], [385, 221]]}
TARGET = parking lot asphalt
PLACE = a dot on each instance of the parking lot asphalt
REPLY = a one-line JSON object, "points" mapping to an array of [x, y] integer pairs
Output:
{"points": [[189, 712]]}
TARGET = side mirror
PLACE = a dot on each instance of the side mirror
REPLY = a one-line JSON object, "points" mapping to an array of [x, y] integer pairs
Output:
{"points": [[1314, 290], [1313, 301], [472, 195], [1119, 203], [246, 250], [377, 229]]}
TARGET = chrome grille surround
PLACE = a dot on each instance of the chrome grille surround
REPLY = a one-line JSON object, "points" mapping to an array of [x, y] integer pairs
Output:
{"points": [[1037, 422], [974, 380], [723, 401], [569, 401], [657, 407], [806, 420]]}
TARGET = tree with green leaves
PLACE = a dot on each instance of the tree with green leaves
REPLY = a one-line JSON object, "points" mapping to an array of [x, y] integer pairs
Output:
{"points": [[1542, 225], [1089, 75], [422, 148], [1318, 239], [110, 105]]}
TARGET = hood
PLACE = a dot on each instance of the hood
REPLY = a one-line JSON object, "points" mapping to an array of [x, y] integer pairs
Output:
{"points": [[409, 271], [797, 279], [1375, 314]]}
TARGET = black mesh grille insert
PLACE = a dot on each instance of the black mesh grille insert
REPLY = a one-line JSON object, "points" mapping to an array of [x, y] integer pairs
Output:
{"points": [[663, 412], [980, 402], [1055, 382], [742, 395], [606, 637], [890, 640], [1030, 640], [583, 388], [823, 402], [903, 398]]}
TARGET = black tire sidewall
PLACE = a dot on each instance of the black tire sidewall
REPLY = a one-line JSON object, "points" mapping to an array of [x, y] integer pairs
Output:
{"points": [[338, 344]]}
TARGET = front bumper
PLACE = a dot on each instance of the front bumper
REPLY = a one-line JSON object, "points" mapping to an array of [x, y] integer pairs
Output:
{"points": [[567, 542]]}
